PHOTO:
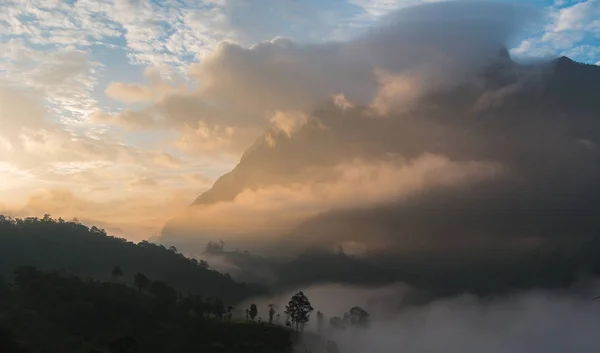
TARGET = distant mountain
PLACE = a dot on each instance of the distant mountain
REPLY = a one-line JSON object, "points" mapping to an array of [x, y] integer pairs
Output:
{"points": [[511, 99], [540, 122]]}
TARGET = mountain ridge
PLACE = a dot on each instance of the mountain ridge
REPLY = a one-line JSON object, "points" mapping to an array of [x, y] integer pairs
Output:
{"points": [[564, 72]]}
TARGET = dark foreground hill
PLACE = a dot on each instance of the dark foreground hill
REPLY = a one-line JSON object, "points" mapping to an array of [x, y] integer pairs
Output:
{"points": [[72, 248], [49, 312]]}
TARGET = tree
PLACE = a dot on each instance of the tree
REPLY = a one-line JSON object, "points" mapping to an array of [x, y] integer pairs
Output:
{"points": [[162, 292], [320, 318], [141, 281], [252, 311], [358, 317], [337, 323], [271, 313], [217, 308], [332, 347], [8, 342], [214, 248], [25, 275], [229, 313], [116, 273], [298, 310], [126, 344]]}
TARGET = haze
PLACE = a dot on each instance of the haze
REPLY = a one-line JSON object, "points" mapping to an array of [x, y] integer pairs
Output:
{"points": [[434, 162]]}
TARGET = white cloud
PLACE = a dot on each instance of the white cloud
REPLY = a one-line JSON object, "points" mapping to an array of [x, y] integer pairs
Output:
{"points": [[581, 16], [570, 26], [376, 9]]}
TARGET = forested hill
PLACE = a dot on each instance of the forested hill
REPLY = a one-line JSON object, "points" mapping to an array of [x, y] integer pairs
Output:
{"points": [[72, 248], [46, 312]]}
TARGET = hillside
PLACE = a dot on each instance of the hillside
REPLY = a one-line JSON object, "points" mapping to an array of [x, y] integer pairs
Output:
{"points": [[74, 249], [50, 312]]}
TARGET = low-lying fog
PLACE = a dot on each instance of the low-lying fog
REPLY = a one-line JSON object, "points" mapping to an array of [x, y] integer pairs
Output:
{"points": [[532, 322]]}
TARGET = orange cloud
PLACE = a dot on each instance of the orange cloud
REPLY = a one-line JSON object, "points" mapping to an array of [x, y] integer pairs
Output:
{"points": [[274, 210]]}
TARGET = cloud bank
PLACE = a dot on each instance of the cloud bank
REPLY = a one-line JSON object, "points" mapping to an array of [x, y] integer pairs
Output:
{"points": [[531, 322], [240, 91]]}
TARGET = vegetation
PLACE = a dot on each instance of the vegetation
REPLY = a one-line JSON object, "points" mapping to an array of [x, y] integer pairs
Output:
{"points": [[67, 288], [298, 310], [252, 311], [51, 312], [72, 248], [355, 317]]}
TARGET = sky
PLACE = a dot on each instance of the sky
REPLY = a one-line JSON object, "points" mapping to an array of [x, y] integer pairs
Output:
{"points": [[122, 112]]}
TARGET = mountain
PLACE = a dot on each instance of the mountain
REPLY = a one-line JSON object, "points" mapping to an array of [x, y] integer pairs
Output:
{"points": [[537, 124], [74, 249], [511, 100]]}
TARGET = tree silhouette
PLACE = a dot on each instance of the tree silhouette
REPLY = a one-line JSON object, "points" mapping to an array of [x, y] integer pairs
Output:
{"points": [[126, 344], [332, 347], [298, 310], [8, 342], [56, 244], [141, 282], [337, 323], [165, 294], [116, 273], [358, 317], [217, 308], [54, 311], [229, 313], [271, 313], [320, 318], [252, 311]]}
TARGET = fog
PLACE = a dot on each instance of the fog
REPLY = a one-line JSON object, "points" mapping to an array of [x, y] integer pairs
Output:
{"points": [[528, 322]]}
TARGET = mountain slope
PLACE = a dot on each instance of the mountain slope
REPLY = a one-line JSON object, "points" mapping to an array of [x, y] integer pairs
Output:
{"points": [[562, 89], [540, 123], [74, 249]]}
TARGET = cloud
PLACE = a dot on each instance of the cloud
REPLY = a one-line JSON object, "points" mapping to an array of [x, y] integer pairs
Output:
{"points": [[162, 82], [39, 154], [474, 105], [289, 122], [270, 211], [243, 91], [129, 92], [529, 322], [19, 110], [569, 25], [284, 75], [65, 76], [581, 16], [136, 216]]}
